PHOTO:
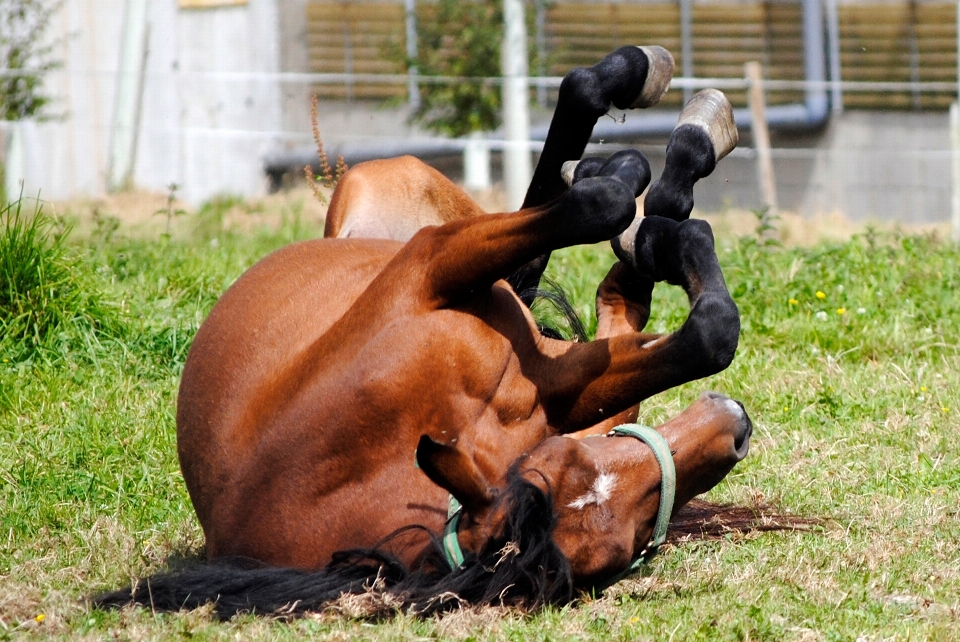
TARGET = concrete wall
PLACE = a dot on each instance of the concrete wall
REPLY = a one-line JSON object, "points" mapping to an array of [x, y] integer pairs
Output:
{"points": [[890, 166], [206, 133]]}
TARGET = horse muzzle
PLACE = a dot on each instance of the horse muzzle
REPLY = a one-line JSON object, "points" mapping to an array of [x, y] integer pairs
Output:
{"points": [[741, 426]]}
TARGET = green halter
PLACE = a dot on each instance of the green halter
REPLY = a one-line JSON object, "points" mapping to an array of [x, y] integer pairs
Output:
{"points": [[668, 491], [451, 545], [668, 487]]}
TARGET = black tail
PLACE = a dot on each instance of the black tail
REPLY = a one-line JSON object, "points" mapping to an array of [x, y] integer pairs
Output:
{"points": [[522, 566]]}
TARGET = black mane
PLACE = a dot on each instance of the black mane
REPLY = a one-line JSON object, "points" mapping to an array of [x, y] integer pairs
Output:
{"points": [[553, 293], [521, 566]]}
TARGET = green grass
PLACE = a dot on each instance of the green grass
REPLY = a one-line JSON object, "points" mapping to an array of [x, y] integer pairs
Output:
{"points": [[856, 418]]}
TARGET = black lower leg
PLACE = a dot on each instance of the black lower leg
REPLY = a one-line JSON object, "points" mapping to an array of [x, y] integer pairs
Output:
{"points": [[585, 95], [681, 254], [690, 157]]}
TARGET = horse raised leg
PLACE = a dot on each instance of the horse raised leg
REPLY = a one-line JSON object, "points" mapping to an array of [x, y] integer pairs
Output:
{"points": [[474, 252], [704, 134], [608, 376], [368, 203], [628, 78]]}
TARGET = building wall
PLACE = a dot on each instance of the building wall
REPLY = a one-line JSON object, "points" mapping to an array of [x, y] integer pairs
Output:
{"points": [[188, 93], [866, 165]]}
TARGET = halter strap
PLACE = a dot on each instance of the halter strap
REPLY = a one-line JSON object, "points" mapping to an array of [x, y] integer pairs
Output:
{"points": [[668, 486], [668, 491], [451, 543]]}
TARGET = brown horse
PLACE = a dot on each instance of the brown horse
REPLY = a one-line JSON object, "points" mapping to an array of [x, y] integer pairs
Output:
{"points": [[342, 390]]}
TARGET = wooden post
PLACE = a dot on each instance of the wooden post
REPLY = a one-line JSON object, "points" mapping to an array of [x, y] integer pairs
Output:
{"points": [[686, 44], [761, 135], [955, 147]]}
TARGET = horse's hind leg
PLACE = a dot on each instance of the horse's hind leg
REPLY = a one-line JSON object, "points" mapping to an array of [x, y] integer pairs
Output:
{"points": [[607, 377], [393, 199], [704, 134], [630, 77]]}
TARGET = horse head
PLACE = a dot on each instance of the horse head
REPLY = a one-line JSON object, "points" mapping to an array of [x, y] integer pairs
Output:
{"points": [[604, 491]]}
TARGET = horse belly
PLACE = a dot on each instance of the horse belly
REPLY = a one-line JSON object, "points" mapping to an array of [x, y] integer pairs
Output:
{"points": [[273, 313]]}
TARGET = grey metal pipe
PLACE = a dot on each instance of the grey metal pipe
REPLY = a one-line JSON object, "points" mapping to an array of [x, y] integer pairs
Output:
{"points": [[811, 115]]}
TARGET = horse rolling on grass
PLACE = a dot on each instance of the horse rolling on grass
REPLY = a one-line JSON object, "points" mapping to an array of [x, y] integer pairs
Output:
{"points": [[343, 390]]}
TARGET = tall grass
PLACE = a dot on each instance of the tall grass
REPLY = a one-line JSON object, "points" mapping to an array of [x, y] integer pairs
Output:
{"points": [[48, 298]]}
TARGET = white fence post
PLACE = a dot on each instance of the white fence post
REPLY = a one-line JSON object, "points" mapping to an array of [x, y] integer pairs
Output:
{"points": [[516, 104], [413, 89], [476, 162], [130, 77], [14, 169]]}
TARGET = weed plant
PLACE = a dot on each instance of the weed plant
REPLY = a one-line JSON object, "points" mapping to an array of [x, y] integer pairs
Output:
{"points": [[848, 364]]}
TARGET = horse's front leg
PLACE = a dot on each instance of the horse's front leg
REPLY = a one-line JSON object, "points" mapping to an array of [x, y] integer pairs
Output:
{"points": [[463, 256], [623, 308], [630, 77], [593, 382], [705, 133]]}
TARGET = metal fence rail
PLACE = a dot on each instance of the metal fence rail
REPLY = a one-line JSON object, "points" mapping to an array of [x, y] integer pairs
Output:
{"points": [[866, 164]]}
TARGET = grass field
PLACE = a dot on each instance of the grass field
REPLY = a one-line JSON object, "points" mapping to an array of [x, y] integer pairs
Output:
{"points": [[848, 363]]}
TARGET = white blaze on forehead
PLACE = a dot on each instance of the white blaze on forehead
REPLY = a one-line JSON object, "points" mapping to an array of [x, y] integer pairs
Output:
{"points": [[734, 408], [601, 491]]}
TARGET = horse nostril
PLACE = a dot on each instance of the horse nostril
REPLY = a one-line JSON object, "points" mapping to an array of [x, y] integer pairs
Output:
{"points": [[741, 442]]}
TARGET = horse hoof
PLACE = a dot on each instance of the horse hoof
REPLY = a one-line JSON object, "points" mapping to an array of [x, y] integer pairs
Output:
{"points": [[628, 166], [567, 171], [710, 111], [624, 244], [659, 75]]}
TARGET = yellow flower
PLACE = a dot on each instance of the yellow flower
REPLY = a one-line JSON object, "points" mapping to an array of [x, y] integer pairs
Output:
{"points": [[40, 617], [945, 409], [821, 295], [923, 388], [841, 311], [634, 619], [793, 302]]}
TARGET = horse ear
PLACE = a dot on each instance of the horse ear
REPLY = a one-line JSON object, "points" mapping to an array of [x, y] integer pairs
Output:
{"points": [[454, 471]]}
